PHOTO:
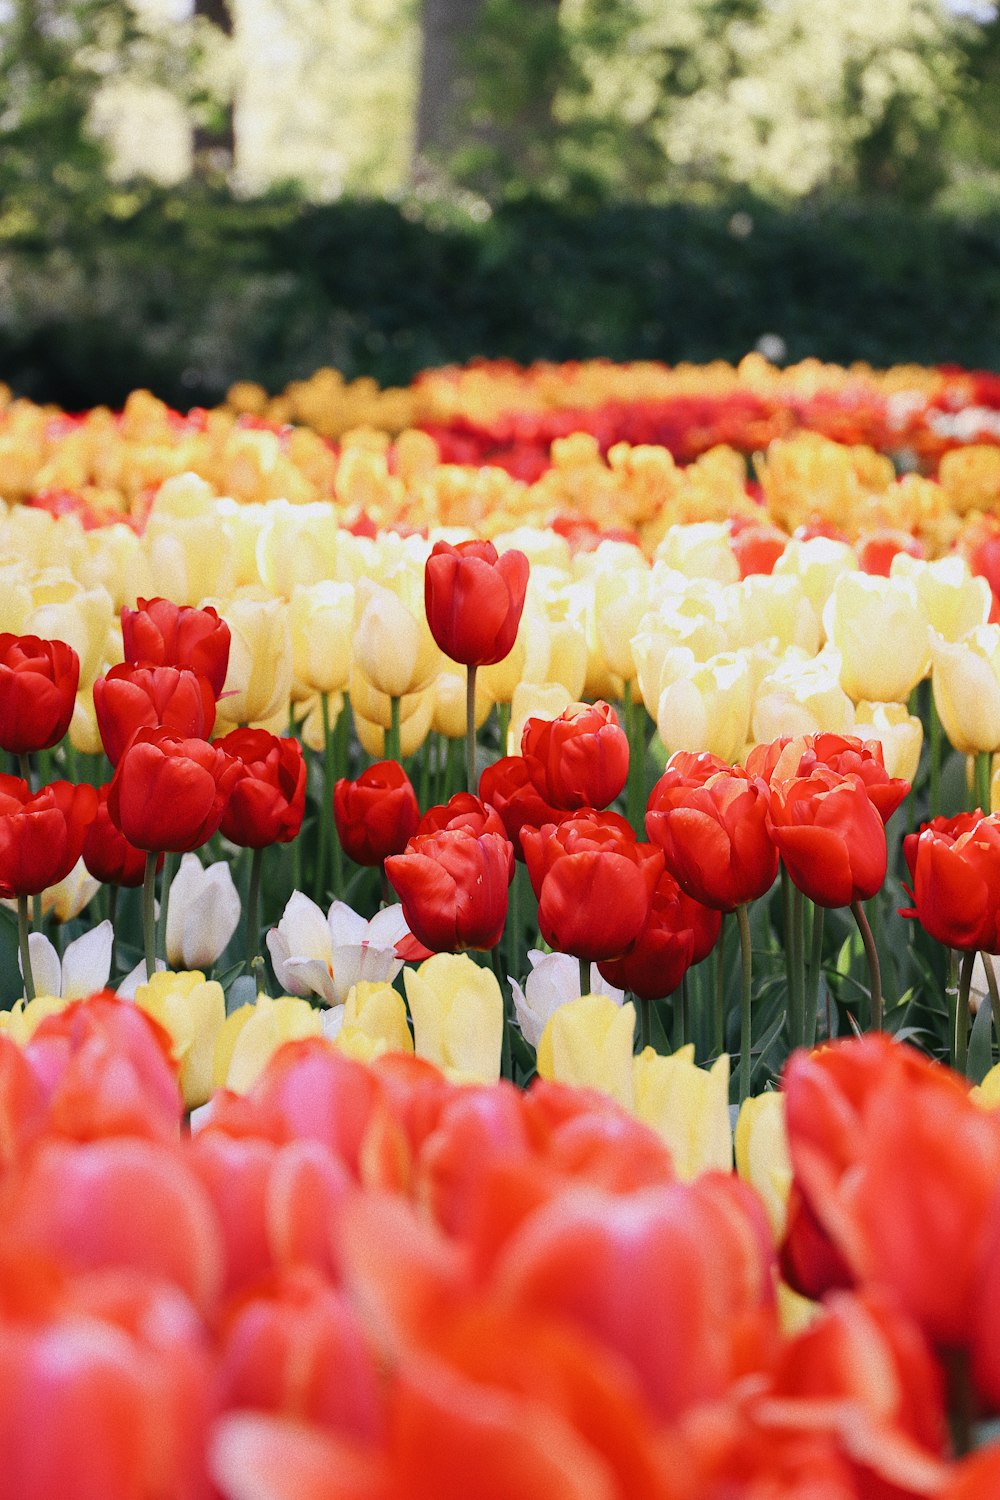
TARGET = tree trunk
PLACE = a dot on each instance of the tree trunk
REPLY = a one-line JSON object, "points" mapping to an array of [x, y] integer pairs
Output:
{"points": [[213, 147], [447, 81]]}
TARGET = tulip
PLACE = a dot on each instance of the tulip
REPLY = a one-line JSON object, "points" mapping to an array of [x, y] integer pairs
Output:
{"points": [[267, 803], [321, 621], [863, 609], [588, 1043], [830, 836], [192, 1011], [377, 814], [328, 956], [83, 969], [554, 980], [259, 679], [168, 792], [251, 1035], [532, 700], [900, 733], [202, 914], [799, 696], [393, 648], [527, 662], [129, 698], [458, 1016], [593, 881], [704, 706], [678, 932], [159, 633], [507, 787], [107, 854], [700, 550], [688, 1107], [474, 599], [373, 1021], [450, 705], [761, 1145], [710, 820], [956, 882], [453, 888], [953, 600], [579, 759], [417, 714], [41, 834], [296, 545], [966, 683], [66, 612], [38, 684], [817, 562]]}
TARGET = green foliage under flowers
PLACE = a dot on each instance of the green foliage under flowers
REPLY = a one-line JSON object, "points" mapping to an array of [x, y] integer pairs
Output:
{"points": [[186, 291]]}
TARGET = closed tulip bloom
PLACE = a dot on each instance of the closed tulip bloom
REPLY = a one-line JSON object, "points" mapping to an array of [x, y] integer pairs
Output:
{"points": [[830, 836], [107, 853], [453, 888], [377, 814], [801, 696], [202, 915], [864, 609], [678, 932], [579, 759], [760, 1142], [507, 786], [259, 680], [321, 619], [393, 648], [464, 810], [458, 1017], [966, 683], [956, 882], [159, 633], [588, 1043], [41, 834], [474, 598], [38, 683], [688, 1107], [170, 793], [594, 883], [954, 600], [900, 733], [267, 803], [705, 704], [711, 823], [191, 1010], [129, 698]]}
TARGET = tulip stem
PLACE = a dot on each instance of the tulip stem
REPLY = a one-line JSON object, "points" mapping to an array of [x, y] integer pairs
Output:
{"points": [[329, 838], [253, 908], [24, 770], [962, 1011], [991, 981], [874, 972], [149, 913], [746, 961], [503, 725], [166, 880], [680, 1014], [112, 891], [584, 977], [982, 779], [645, 1026], [791, 900], [813, 976], [470, 729], [25, 947], [514, 925], [719, 992], [392, 738], [635, 786], [936, 747]]}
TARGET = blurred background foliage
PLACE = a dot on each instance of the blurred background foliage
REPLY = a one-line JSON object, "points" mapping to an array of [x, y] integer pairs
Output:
{"points": [[195, 191]]}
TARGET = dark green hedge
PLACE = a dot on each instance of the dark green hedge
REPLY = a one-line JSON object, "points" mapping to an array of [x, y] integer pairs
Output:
{"points": [[186, 292]]}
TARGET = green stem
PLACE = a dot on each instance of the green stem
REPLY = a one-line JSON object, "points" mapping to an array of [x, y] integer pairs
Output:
{"points": [[428, 749], [961, 1400], [991, 982], [634, 787], [936, 751], [680, 1014], [451, 770], [503, 726], [166, 880], [328, 833], [874, 972], [746, 961], [584, 976], [25, 947], [24, 770], [719, 993], [470, 729], [982, 779], [253, 908], [112, 918], [645, 1023], [813, 977], [514, 925], [149, 914], [962, 1011], [791, 900], [392, 738]]}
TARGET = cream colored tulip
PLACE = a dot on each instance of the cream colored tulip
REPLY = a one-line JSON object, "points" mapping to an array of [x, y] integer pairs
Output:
{"points": [[259, 680], [966, 683], [458, 1016], [377, 1013], [393, 648], [700, 549], [527, 662], [954, 599], [688, 1107], [190, 558], [588, 1043], [250, 1037], [321, 621], [449, 690], [801, 697], [817, 563], [114, 559], [297, 546], [882, 635], [762, 1159], [705, 705], [192, 1010], [900, 733], [63, 611], [776, 611], [415, 725], [619, 605]]}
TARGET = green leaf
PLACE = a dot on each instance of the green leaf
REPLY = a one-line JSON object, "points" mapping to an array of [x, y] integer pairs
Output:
{"points": [[980, 1059]]}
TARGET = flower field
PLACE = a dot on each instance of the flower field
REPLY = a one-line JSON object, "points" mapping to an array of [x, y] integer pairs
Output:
{"points": [[499, 893]]}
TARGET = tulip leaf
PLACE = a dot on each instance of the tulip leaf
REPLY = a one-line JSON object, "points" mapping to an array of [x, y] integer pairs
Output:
{"points": [[763, 1046], [242, 991], [980, 1058]]}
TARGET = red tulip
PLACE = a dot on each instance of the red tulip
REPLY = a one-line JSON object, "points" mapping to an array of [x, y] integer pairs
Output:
{"points": [[163, 634], [786, 758], [41, 834], [474, 599], [757, 547], [38, 683], [507, 787], [593, 881], [376, 815], [453, 887], [170, 793], [710, 820], [830, 836], [956, 883], [579, 759], [268, 801], [949, 827], [107, 854], [128, 698], [466, 811], [679, 932]]}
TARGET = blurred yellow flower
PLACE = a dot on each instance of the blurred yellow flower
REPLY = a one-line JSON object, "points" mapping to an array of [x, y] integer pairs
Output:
{"points": [[192, 1010], [588, 1042], [458, 1016], [688, 1107]]}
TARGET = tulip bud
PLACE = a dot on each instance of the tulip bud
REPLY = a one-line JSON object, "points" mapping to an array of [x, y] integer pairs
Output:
{"points": [[458, 1016], [588, 1043], [688, 1107]]}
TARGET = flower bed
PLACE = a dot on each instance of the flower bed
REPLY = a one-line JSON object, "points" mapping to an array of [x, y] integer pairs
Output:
{"points": [[538, 851]]}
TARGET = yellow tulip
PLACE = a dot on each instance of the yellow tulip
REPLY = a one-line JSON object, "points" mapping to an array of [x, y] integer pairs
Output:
{"points": [[375, 1013], [458, 1016], [817, 563], [688, 1107], [259, 681], [762, 1159], [393, 648], [776, 611], [417, 715], [114, 559], [954, 599], [800, 696], [251, 1035], [900, 733], [588, 1043], [63, 611], [449, 692], [882, 635], [704, 705], [297, 546], [700, 549], [619, 604], [533, 700], [192, 1010], [321, 622], [25, 1016], [966, 683], [987, 1093], [528, 661]]}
